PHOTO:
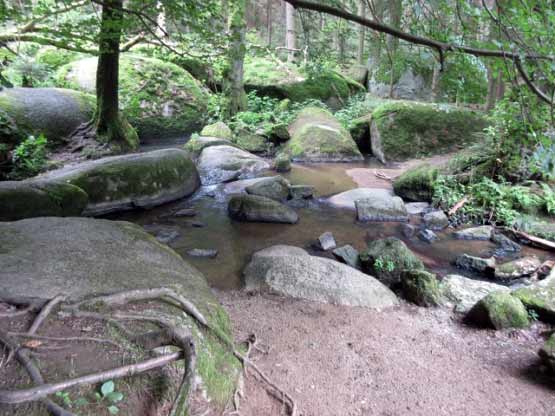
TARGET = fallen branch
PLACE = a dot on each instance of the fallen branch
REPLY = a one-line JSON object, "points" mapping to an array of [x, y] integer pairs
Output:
{"points": [[536, 241], [383, 176], [457, 206], [43, 314], [65, 339]]}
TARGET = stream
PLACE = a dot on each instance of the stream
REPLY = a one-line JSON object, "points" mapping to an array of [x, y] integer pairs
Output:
{"points": [[211, 228]]}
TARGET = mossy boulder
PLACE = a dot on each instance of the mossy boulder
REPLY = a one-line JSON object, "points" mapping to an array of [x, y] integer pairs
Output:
{"points": [[80, 257], [499, 310], [317, 136], [282, 163], [198, 143], [254, 208], [388, 258], [132, 181], [417, 184], [252, 142], [27, 199], [421, 288], [54, 112], [540, 299], [218, 129], [285, 81], [276, 188], [463, 293], [403, 130], [158, 98], [547, 353]]}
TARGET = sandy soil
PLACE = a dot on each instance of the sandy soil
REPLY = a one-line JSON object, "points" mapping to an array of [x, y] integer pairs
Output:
{"points": [[406, 361]]}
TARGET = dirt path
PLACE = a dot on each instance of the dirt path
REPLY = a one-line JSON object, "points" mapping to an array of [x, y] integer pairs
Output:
{"points": [[344, 361]]}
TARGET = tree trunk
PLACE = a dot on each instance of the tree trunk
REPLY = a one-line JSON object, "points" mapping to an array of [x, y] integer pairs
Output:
{"points": [[500, 86], [235, 90], [269, 22], [361, 33], [161, 20], [290, 35], [436, 78], [110, 127], [492, 89], [395, 13]]}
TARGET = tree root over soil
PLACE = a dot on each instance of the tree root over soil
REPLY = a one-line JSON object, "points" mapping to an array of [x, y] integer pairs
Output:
{"points": [[170, 334]]}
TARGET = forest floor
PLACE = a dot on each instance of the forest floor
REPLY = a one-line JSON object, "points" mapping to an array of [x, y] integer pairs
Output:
{"points": [[345, 361]]}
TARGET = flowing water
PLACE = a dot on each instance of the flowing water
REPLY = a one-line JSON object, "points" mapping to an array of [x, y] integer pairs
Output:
{"points": [[211, 228]]}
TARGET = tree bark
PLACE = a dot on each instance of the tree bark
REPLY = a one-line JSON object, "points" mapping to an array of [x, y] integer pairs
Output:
{"points": [[290, 34], [395, 12], [269, 22], [361, 33], [436, 78], [235, 89], [492, 88], [110, 127]]}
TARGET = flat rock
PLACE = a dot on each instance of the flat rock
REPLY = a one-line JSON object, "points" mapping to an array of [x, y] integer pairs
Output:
{"points": [[240, 186], [505, 243], [381, 209], [516, 269], [476, 264], [349, 255], [139, 180], [218, 164], [254, 208], [483, 232], [326, 241], [347, 199], [316, 279], [185, 212], [464, 293]]}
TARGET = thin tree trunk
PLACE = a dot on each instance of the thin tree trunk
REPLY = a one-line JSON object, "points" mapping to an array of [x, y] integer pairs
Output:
{"points": [[395, 13], [269, 21], [235, 89], [110, 127], [500, 86], [161, 20], [361, 33], [436, 78], [492, 88], [290, 35]]}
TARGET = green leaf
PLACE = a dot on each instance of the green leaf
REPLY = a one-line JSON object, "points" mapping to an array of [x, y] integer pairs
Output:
{"points": [[115, 396], [113, 410], [81, 402], [107, 388]]}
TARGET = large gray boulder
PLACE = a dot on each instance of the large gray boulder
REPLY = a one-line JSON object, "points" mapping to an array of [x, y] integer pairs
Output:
{"points": [[28, 199], [141, 180], [317, 136], [44, 257], [54, 112], [348, 198], [218, 164], [463, 293], [483, 232], [276, 188], [289, 271], [384, 208], [254, 208]]}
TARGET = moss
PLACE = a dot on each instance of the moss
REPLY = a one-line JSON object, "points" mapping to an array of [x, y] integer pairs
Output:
{"points": [[499, 310], [402, 130], [54, 58], [218, 129], [317, 136], [388, 258], [417, 184], [282, 163], [19, 200], [159, 99], [284, 81], [541, 300], [421, 288], [198, 143], [251, 142]]}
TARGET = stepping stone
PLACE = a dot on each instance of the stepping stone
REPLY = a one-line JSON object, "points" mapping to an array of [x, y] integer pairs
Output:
{"points": [[326, 241], [386, 208], [483, 233]]}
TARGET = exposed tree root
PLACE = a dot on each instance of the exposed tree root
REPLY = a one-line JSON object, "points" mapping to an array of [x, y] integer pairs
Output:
{"points": [[170, 334]]}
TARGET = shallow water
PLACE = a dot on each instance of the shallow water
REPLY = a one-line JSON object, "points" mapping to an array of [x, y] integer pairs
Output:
{"points": [[236, 241]]}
